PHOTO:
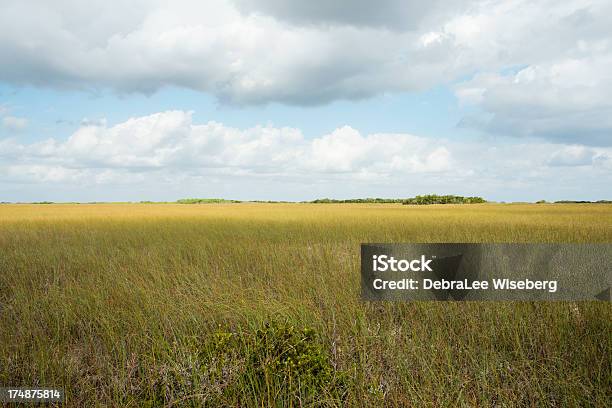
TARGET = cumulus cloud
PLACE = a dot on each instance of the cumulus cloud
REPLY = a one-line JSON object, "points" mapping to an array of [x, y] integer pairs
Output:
{"points": [[534, 68], [167, 149], [566, 101], [552, 79], [254, 51], [171, 140]]}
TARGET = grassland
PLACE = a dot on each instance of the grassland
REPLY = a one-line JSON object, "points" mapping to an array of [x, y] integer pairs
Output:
{"points": [[258, 305]]}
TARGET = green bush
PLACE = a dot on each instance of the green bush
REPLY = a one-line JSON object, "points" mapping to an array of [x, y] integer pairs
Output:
{"points": [[293, 362], [290, 355]]}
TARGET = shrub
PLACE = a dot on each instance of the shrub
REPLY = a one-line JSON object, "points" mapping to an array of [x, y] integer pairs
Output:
{"points": [[278, 356], [290, 355]]}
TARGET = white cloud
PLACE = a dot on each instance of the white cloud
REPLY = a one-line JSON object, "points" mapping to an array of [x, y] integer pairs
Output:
{"points": [[167, 152], [546, 77], [566, 101], [296, 52], [171, 140]]}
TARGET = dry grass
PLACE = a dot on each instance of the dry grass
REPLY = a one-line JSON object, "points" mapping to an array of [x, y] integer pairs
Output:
{"points": [[131, 305]]}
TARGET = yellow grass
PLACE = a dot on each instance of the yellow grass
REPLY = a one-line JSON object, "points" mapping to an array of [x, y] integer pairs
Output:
{"points": [[120, 303]]}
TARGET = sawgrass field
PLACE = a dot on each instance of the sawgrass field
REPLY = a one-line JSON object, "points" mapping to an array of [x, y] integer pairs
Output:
{"points": [[249, 304]]}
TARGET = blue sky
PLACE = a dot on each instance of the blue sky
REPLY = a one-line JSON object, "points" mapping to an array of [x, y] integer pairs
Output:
{"points": [[58, 113], [260, 99]]}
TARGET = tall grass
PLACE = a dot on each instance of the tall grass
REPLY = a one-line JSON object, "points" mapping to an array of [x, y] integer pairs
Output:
{"points": [[258, 305]]}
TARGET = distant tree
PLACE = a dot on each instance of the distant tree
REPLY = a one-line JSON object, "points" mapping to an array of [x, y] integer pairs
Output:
{"points": [[443, 199], [418, 200], [583, 202], [204, 201], [358, 201]]}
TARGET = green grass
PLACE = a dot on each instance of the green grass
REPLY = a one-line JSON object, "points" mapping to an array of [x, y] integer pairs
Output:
{"points": [[258, 305]]}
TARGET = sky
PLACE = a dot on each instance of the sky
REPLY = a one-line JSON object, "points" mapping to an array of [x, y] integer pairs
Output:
{"points": [[292, 100]]}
